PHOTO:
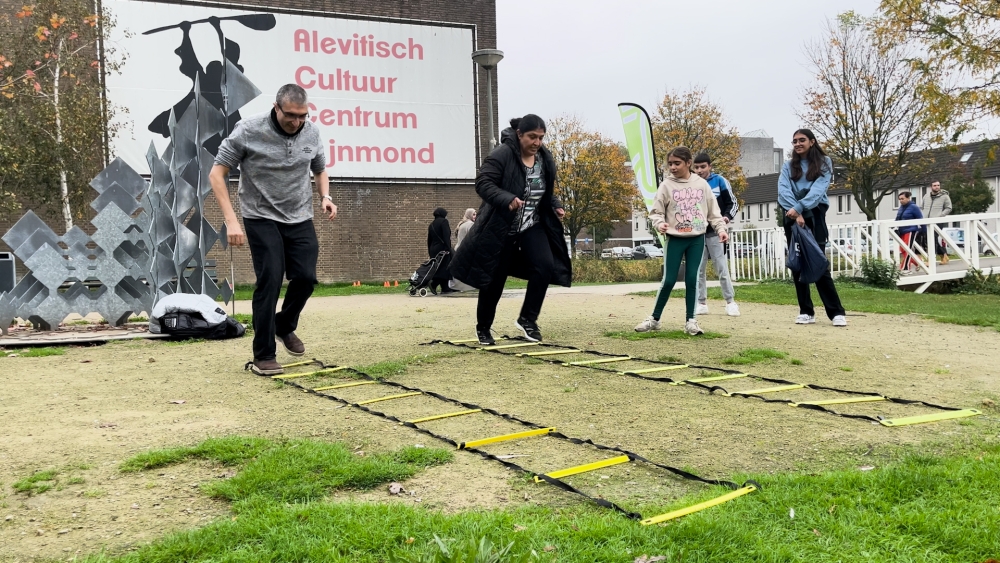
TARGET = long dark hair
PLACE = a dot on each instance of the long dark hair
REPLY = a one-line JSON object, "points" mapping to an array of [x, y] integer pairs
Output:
{"points": [[815, 157], [530, 122]]}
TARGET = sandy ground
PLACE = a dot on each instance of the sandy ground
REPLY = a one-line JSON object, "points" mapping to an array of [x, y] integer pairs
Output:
{"points": [[85, 412]]}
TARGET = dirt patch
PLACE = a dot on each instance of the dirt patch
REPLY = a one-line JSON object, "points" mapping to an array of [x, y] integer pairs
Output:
{"points": [[85, 412]]}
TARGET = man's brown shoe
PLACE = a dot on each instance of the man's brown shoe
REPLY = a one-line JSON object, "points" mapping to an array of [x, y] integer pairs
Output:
{"points": [[266, 367], [292, 344]]}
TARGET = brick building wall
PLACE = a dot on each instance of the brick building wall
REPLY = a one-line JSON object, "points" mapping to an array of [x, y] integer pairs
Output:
{"points": [[381, 228]]}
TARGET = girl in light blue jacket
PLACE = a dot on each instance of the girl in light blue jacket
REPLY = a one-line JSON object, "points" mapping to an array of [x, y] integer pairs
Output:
{"points": [[802, 189]]}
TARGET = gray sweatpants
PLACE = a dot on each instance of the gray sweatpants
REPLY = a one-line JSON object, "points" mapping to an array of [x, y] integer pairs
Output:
{"points": [[715, 251]]}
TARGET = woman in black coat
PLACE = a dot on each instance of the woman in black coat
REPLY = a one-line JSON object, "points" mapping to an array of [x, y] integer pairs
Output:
{"points": [[438, 239], [517, 231]]}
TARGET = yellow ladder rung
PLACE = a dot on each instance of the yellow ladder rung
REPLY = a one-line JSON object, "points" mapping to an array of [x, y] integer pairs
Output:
{"points": [[343, 385], [389, 398], [700, 506], [502, 346], [713, 378], [318, 372], [601, 361], [466, 341], [652, 370], [769, 390], [869, 399], [585, 468], [440, 416], [548, 353], [504, 438], [930, 417], [297, 364]]}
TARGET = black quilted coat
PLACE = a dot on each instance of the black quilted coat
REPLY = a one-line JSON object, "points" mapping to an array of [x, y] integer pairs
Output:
{"points": [[502, 178]]}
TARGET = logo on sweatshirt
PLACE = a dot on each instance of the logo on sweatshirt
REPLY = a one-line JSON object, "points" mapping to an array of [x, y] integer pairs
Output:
{"points": [[307, 150]]}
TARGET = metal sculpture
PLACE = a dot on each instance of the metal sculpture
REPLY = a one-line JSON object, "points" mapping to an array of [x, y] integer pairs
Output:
{"points": [[151, 238]]}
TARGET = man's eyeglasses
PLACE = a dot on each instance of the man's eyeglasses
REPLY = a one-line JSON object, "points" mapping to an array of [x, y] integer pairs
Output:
{"points": [[294, 116]]}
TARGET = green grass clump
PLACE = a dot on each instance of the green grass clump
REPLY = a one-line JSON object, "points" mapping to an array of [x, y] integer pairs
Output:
{"points": [[231, 450], [754, 356], [35, 352], [931, 509], [294, 470], [393, 368], [667, 334], [37, 483]]}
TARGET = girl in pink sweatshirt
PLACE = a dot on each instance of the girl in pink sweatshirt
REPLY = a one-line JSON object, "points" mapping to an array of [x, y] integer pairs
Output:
{"points": [[683, 208]]}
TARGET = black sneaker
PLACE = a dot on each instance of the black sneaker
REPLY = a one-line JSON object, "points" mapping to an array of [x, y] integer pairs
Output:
{"points": [[530, 329], [485, 338]]}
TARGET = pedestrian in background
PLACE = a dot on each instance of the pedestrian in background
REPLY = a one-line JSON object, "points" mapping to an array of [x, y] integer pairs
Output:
{"points": [[907, 252], [438, 240], [937, 204]]}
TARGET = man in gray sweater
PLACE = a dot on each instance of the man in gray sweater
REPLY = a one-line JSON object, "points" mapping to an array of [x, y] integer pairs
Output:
{"points": [[276, 152], [937, 204]]}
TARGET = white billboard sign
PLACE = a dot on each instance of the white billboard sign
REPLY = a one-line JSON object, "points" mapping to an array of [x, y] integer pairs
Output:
{"points": [[391, 100]]}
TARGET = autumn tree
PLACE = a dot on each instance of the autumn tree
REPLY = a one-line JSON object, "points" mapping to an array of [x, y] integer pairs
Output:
{"points": [[593, 182], [692, 120], [955, 39], [865, 107], [52, 115]]}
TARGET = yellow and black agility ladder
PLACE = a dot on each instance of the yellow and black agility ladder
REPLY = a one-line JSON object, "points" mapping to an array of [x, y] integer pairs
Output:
{"points": [[351, 378], [571, 356]]}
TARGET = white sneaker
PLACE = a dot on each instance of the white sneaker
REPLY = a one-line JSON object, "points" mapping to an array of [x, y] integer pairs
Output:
{"points": [[648, 325], [805, 320], [732, 309], [840, 320], [701, 309], [692, 328]]}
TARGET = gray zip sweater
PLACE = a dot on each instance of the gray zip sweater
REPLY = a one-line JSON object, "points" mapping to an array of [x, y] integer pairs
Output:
{"points": [[936, 205], [274, 167]]}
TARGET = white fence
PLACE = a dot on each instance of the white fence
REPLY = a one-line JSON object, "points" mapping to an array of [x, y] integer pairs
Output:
{"points": [[759, 254]]}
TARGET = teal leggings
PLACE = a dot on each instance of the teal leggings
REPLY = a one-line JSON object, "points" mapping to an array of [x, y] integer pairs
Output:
{"points": [[691, 249]]}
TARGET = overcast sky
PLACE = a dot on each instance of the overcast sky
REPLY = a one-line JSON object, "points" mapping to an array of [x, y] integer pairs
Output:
{"points": [[583, 57]]}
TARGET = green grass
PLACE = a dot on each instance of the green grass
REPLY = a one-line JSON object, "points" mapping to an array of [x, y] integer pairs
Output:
{"points": [[292, 471], [668, 334], [34, 352], [754, 356], [394, 368], [37, 483], [795, 362], [915, 509], [974, 310], [245, 292], [846, 368]]}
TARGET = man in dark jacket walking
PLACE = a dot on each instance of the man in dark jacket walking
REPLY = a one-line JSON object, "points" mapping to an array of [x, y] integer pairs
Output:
{"points": [[438, 240], [517, 230], [908, 210]]}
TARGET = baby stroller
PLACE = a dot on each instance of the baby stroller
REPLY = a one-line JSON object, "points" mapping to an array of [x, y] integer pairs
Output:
{"points": [[421, 279]]}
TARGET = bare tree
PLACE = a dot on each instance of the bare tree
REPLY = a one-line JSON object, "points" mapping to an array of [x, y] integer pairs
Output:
{"points": [[866, 107]]}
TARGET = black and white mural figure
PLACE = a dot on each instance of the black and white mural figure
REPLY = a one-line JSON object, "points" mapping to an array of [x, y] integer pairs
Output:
{"points": [[214, 77]]}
